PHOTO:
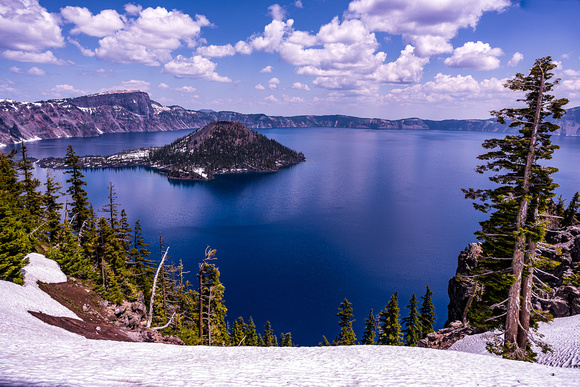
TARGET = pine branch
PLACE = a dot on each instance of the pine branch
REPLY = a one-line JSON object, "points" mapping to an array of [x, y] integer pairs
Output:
{"points": [[499, 303], [545, 273], [496, 317]]}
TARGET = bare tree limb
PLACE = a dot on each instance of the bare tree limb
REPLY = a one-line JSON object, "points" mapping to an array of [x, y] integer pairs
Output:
{"points": [[150, 319]]}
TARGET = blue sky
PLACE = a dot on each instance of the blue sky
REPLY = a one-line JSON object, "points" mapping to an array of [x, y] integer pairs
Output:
{"points": [[389, 59]]}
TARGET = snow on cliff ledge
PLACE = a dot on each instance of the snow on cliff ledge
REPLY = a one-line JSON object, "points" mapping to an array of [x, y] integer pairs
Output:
{"points": [[34, 353]]}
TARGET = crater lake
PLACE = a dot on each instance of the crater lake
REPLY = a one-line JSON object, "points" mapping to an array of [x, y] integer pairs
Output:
{"points": [[369, 213]]}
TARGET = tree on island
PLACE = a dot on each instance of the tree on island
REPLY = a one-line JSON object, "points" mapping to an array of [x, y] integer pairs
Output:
{"points": [[510, 237]]}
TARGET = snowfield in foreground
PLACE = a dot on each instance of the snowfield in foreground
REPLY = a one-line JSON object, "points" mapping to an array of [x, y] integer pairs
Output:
{"points": [[37, 354]]}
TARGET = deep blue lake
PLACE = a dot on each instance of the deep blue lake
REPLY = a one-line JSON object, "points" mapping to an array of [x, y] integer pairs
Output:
{"points": [[369, 213]]}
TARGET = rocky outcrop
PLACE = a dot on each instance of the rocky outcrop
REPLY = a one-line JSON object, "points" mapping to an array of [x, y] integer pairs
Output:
{"points": [[134, 111], [562, 247], [446, 337], [460, 290]]}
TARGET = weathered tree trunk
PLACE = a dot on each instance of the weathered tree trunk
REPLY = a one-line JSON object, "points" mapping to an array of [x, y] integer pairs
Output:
{"points": [[526, 308], [513, 318]]}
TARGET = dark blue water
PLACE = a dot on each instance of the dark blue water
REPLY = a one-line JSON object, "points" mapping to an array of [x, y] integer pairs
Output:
{"points": [[369, 213]]}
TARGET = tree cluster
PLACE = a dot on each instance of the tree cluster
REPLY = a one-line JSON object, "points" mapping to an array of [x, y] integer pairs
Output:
{"points": [[387, 328], [103, 249]]}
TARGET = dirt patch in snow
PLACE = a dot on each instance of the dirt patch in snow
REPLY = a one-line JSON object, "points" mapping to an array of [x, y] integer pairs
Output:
{"points": [[87, 329], [80, 298]]}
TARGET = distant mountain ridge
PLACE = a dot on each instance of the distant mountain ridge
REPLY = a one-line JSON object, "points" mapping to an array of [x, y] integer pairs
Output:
{"points": [[134, 111]]}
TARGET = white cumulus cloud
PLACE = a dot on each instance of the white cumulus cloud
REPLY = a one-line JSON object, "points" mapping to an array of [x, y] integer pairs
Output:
{"points": [[476, 56], [196, 67], [85, 51], [273, 83], [186, 89], [65, 90], [105, 23], [36, 71], [427, 24], [267, 69], [446, 88], [516, 58], [46, 57], [151, 37], [213, 51], [277, 12], [300, 86], [259, 86], [27, 26]]}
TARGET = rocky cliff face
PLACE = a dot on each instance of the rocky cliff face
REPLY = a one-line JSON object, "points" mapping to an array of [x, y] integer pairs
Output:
{"points": [[133, 111], [562, 301]]}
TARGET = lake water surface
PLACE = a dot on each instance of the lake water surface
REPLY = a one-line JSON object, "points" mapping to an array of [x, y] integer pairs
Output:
{"points": [[369, 213]]}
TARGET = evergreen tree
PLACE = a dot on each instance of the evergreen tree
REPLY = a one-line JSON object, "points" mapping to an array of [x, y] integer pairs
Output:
{"points": [[32, 199], [251, 336], [14, 240], [571, 213], [79, 211], [142, 266], [427, 314], [286, 340], [412, 323], [112, 269], [111, 208], [239, 333], [371, 326], [52, 207], [269, 338], [346, 335], [324, 342], [124, 232], [389, 319], [212, 310], [510, 236], [70, 256]]}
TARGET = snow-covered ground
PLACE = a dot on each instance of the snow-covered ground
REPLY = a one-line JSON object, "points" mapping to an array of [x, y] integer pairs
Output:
{"points": [[37, 354], [562, 334]]}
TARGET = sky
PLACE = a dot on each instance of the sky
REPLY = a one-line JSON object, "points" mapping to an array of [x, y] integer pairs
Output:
{"points": [[392, 59]]}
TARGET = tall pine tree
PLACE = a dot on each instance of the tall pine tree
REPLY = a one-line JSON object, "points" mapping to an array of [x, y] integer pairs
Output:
{"points": [[510, 236]]}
